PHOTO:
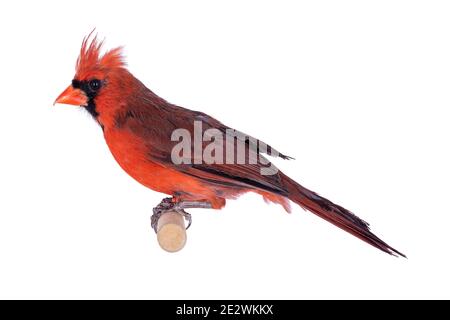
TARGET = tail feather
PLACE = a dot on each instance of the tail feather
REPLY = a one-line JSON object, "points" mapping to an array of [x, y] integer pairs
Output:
{"points": [[336, 215]]}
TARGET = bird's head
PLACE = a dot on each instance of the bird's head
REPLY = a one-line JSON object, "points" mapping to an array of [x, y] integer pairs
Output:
{"points": [[99, 79]]}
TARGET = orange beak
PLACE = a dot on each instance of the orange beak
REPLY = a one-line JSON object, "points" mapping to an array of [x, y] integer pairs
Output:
{"points": [[72, 96]]}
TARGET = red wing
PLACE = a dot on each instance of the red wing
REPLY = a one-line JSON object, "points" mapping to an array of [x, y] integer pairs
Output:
{"points": [[156, 125]]}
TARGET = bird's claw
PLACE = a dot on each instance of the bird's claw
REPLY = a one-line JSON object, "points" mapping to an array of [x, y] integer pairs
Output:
{"points": [[165, 205], [187, 217]]}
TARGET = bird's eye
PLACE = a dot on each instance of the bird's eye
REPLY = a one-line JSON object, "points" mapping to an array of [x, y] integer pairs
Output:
{"points": [[94, 84]]}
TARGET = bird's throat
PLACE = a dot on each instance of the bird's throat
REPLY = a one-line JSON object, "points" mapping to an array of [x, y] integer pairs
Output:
{"points": [[91, 108]]}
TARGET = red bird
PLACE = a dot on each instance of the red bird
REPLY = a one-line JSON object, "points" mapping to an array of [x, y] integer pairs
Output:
{"points": [[138, 126]]}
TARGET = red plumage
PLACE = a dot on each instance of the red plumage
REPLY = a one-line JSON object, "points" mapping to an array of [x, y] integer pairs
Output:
{"points": [[137, 126]]}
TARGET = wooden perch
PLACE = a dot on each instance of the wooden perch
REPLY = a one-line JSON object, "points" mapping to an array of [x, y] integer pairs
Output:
{"points": [[171, 231]]}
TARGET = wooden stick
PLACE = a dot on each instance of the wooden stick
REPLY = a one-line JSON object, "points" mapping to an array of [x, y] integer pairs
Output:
{"points": [[171, 231]]}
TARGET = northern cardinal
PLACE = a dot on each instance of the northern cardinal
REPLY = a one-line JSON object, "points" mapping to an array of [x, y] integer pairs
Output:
{"points": [[138, 126]]}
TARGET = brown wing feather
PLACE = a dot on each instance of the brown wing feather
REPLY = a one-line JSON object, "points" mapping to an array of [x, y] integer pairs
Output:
{"points": [[155, 124]]}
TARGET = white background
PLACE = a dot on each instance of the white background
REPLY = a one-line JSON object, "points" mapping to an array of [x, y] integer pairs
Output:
{"points": [[357, 91]]}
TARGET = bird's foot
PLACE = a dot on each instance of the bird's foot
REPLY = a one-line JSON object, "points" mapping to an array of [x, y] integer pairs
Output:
{"points": [[167, 204]]}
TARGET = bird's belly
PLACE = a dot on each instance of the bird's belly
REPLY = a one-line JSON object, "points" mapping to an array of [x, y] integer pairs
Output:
{"points": [[132, 156]]}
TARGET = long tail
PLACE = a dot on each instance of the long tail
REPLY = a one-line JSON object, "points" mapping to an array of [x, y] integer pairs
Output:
{"points": [[335, 214]]}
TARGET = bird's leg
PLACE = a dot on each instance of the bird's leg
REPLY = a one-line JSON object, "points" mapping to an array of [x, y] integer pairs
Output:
{"points": [[167, 204], [193, 204], [180, 206]]}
